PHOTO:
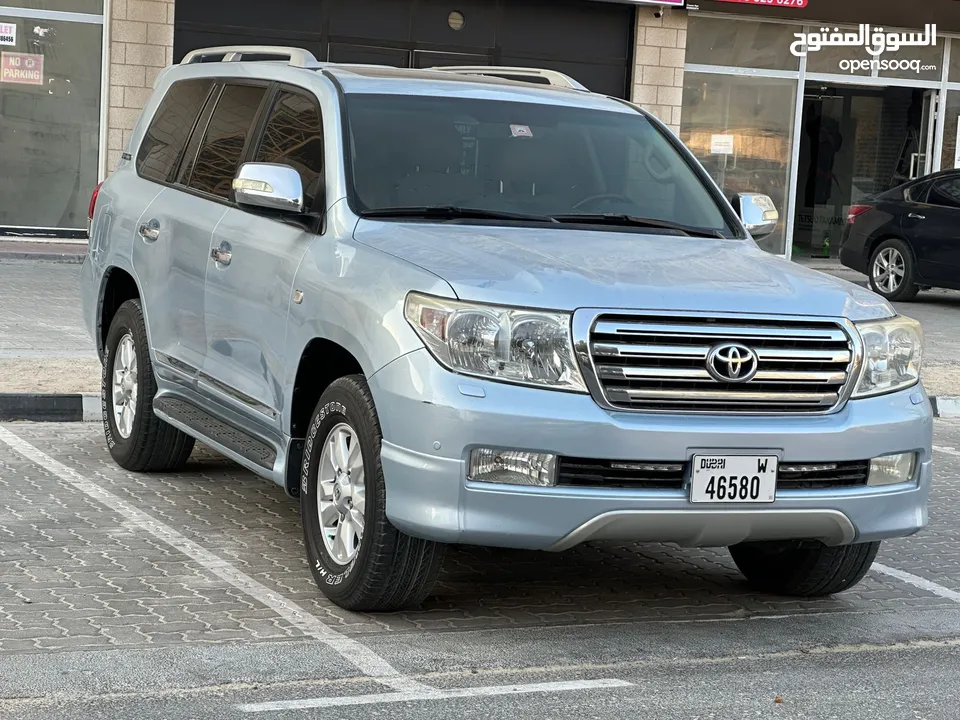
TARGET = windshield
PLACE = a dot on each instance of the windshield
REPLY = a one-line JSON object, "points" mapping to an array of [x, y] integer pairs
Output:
{"points": [[532, 159]]}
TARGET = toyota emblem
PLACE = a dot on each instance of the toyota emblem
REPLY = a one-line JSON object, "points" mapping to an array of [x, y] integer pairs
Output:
{"points": [[732, 363]]}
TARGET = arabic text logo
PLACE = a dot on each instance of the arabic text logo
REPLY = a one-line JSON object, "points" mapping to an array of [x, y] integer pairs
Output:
{"points": [[874, 40]]}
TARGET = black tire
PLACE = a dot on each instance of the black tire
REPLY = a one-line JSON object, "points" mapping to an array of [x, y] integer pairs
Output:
{"points": [[390, 570], [797, 570], [152, 445], [907, 289]]}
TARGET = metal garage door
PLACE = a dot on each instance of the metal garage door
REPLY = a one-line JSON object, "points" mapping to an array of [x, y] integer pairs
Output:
{"points": [[591, 41]]}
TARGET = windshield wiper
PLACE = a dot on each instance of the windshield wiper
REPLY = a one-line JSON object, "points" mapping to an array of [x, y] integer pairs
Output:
{"points": [[633, 221], [453, 212]]}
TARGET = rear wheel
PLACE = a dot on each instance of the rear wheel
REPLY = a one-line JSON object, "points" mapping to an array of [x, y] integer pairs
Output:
{"points": [[893, 271], [358, 558], [798, 570], [138, 440]]}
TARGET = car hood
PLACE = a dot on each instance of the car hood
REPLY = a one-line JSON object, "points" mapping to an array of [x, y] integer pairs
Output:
{"points": [[567, 269]]}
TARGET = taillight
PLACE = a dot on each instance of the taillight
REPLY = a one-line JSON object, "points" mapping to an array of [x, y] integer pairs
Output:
{"points": [[856, 211], [93, 207]]}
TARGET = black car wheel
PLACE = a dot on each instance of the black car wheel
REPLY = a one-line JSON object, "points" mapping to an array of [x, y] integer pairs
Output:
{"points": [[893, 271]]}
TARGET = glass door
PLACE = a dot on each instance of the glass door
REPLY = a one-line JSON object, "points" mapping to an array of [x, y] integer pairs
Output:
{"points": [[921, 163]]}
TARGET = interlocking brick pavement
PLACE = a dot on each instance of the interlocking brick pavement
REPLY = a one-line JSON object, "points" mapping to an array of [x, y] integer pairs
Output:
{"points": [[93, 581]]}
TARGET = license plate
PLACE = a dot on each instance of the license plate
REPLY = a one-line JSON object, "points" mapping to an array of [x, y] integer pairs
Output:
{"points": [[726, 479]]}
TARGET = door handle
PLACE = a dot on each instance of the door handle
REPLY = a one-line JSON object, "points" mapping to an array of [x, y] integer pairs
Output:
{"points": [[150, 230], [914, 216], [222, 255]]}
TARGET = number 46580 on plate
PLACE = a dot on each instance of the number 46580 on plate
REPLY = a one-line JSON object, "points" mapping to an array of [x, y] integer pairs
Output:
{"points": [[728, 479]]}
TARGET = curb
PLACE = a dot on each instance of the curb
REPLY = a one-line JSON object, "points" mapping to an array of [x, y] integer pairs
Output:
{"points": [[86, 407], [69, 258], [50, 407]]}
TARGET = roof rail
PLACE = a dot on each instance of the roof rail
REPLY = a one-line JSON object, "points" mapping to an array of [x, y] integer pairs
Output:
{"points": [[552, 77], [298, 57]]}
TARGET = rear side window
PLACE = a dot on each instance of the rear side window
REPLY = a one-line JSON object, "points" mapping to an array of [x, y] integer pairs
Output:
{"points": [[225, 138], [294, 136], [172, 124]]}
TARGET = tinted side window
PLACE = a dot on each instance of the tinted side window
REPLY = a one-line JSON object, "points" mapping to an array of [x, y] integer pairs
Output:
{"points": [[174, 120], [945, 193], [224, 140], [294, 136]]}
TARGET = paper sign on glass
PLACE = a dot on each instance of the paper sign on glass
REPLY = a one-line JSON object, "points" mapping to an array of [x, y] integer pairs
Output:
{"points": [[8, 34], [722, 144], [21, 68]]}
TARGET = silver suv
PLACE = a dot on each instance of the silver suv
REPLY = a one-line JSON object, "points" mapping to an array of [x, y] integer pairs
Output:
{"points": [[442, 306]]}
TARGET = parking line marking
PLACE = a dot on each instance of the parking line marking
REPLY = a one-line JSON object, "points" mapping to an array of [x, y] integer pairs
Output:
{"points": [[358, 655], [919, 582], [488, 691]]}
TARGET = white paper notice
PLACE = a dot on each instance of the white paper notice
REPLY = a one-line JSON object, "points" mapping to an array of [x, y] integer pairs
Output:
{"points": [[956, 156], [8, 34], [722, 144]]}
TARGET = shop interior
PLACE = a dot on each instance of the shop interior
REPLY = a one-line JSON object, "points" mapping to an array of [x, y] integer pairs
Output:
{"points": [[855, 141]]}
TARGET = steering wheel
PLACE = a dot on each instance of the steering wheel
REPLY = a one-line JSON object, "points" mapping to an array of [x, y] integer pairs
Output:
{"points": [[603, 196]]}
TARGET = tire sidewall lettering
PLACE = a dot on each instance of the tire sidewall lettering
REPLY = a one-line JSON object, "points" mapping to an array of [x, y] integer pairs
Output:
{"points": [[104, 404], [333, 407]]}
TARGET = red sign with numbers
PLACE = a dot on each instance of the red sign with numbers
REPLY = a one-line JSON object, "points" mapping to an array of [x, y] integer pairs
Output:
{"points": [[771, 3]]}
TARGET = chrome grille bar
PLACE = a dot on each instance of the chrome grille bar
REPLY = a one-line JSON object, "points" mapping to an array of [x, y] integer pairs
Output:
{"points": [[654, 362]]}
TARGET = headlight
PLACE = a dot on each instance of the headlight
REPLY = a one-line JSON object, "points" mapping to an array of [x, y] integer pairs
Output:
{"points": [[892, 352], [528, 347]]}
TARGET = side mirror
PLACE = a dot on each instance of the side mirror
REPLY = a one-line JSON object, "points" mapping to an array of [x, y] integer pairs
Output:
{"points": [[758, 213], [270, 186]]}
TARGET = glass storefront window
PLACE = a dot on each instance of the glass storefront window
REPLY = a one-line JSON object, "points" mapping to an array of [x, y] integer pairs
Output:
{"points": [[741, 43], [49, 121], [93, 7], [951, 134], [955, 60], [756, 116]]}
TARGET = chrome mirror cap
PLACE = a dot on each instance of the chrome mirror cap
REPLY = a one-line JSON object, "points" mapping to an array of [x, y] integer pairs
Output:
{"points": [[758, 213], [268, 185]]}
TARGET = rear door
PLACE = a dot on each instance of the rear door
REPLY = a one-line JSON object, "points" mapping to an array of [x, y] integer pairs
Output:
{"points": [[173, 234], [932, 227], [248, 297]]}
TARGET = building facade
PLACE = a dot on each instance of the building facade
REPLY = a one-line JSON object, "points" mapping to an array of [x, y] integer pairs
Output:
{"points": [[815, 129]]}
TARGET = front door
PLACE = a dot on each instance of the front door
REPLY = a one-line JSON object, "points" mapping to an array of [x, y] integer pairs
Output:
{"points": [[933, 229], [250, 288]]}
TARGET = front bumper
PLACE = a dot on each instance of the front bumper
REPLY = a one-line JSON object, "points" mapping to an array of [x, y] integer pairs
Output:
{"points": [[432, 418]]}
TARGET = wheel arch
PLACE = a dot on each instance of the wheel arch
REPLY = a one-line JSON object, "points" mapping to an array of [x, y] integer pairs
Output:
{"points": [[116, 287]]}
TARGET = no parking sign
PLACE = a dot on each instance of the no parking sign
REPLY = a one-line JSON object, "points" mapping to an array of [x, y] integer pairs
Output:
{"points": [[22, 68]]}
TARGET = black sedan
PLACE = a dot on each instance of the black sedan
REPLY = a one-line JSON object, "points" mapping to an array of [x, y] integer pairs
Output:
{"points": [[907, 239]]}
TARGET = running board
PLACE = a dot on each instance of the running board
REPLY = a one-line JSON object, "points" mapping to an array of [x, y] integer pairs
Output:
{"points": [[205, 425]]}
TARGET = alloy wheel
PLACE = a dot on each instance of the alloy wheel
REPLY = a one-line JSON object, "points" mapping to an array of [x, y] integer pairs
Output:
{"points": [[889, 269], [341, 493], [125, 386]]}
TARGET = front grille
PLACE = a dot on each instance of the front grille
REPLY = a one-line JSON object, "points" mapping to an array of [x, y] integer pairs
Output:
{"points": [[659, 363], [641, 475]]}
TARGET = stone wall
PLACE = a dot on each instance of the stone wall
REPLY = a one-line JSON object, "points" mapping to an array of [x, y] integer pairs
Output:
{"points": [[658, 63], [141, 45]]}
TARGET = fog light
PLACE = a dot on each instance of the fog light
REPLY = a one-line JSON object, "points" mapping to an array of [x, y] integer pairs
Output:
{"points": [[892, 469], [513, 467]]}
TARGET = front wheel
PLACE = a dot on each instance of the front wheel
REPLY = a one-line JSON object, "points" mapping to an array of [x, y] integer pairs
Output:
{"points": [[358, 558], [794, 569]]}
